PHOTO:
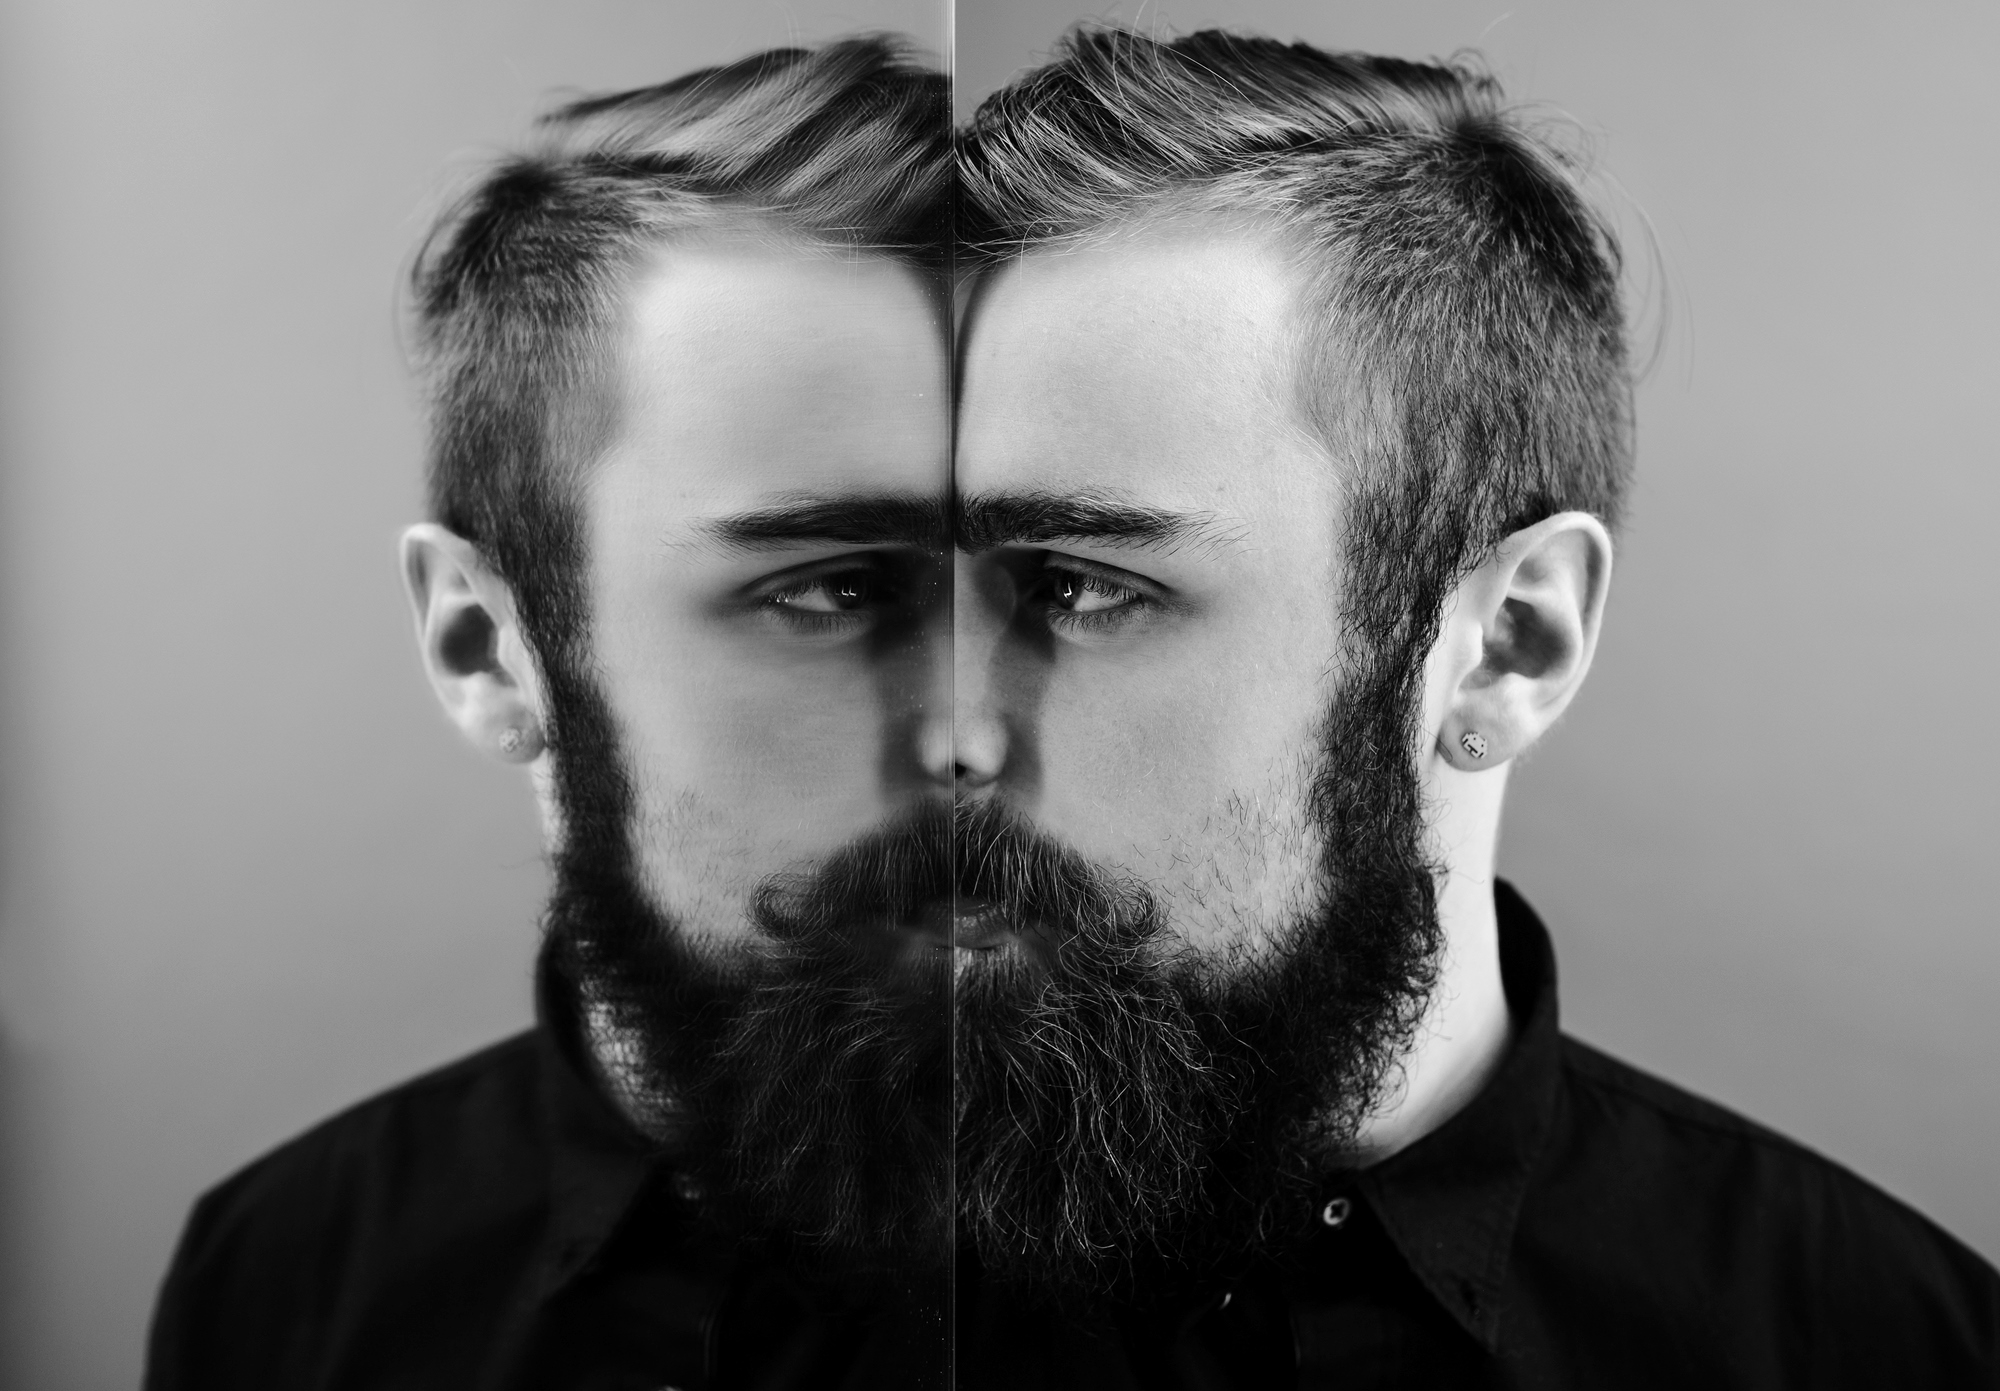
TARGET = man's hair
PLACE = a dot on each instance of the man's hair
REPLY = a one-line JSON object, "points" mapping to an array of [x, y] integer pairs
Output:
{"points": [[1460, 346], [517, 288]]}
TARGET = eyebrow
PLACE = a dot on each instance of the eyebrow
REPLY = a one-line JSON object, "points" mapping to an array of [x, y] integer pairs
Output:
{"points": [[988, 520], [887, 519], [976, 524]]}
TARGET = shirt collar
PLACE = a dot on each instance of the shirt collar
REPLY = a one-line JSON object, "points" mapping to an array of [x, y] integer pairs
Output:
{"points": [[599, 1163], [1450, 1201]]}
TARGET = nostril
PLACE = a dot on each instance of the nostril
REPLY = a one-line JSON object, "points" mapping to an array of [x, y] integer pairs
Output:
{"points": [[979, 750]]}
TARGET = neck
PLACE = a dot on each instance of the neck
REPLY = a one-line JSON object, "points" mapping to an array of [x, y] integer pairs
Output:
{"points": [[1466, 1028]]}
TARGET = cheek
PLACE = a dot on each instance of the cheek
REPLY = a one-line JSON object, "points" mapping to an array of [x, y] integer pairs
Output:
{"points": [[739, 779], [1202, 796], [781, 748], [743, 764], [1156, 757]]}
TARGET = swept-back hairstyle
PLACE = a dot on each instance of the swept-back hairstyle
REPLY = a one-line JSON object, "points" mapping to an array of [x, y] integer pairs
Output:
{"points": [[1459, 342], [516, 294], [516, 289]]}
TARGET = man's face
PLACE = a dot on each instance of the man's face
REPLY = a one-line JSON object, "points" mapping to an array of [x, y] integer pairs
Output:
{"points": [[1153, 699], [770, 680], [1160, 977], [1155, 680]]}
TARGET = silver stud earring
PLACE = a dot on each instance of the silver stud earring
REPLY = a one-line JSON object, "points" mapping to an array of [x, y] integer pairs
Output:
{"points": [[1473, 742], [512, 740]]}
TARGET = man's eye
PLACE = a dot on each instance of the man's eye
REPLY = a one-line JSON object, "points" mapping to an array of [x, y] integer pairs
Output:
{"points": [[1073, 593], [840, 593]]}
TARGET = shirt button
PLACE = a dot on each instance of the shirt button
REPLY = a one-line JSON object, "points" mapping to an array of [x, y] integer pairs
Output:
{"points": [[1336, 1212]]}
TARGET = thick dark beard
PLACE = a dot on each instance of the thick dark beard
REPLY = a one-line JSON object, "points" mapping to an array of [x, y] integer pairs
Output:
{"points": [[1116, 1116], [803, 1081], [1132, 1119]]}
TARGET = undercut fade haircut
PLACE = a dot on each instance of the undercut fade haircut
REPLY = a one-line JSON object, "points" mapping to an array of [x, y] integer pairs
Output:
{"points": [[1459, 344], [516, 291]]}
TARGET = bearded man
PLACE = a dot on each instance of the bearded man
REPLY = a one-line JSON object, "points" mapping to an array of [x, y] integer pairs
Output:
{"points": [[1084, 969], [688, 364], [1293, 430]]}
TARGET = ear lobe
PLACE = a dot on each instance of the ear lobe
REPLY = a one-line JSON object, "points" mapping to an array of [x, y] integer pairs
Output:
{"points": [[470, 645], [1538, 603]]}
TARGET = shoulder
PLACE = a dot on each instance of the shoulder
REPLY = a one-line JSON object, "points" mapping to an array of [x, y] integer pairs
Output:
{"points": [[1695, 1149], [1752, 1233], [394, 1191], [469, 1118], [1633, 1105]]}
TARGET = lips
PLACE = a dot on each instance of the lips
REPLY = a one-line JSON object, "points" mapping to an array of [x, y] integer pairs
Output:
{"points": [[969, 924], [977, 925]]}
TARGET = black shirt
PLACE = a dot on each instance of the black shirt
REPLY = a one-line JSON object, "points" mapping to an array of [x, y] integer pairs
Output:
{"points": [[497, 1225]]}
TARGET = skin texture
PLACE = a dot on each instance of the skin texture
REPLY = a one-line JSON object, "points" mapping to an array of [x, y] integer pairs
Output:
{"points": [[1170, 736]]}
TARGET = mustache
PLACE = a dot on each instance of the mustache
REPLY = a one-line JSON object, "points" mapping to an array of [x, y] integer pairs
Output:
{"points": [[935, 856]]}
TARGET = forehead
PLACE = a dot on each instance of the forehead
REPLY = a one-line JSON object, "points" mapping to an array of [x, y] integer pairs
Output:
{"points": [[751, 371], [1155, 365]]}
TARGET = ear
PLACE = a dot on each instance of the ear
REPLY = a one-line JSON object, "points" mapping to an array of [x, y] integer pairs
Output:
{"points": [[479, 663], [1518, 640]]}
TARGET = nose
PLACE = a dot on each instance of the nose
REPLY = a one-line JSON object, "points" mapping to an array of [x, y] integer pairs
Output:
{"points": [[979, 746], [967, 737]]}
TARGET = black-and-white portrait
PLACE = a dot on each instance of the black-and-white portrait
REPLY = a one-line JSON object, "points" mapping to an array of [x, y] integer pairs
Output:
{"points": [[883, 693]]}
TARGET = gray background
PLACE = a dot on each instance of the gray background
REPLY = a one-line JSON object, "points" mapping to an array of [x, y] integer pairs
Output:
{"points": [[247, 875]]}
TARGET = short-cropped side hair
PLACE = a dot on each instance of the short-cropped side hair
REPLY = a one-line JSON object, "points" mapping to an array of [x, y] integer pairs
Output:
{"points": [[516, 289], [1459, 341]]}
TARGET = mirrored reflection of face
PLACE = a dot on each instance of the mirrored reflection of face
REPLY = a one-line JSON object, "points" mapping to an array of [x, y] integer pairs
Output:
{"points": [[752, 771], [1143, 670], [768, 682]]}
